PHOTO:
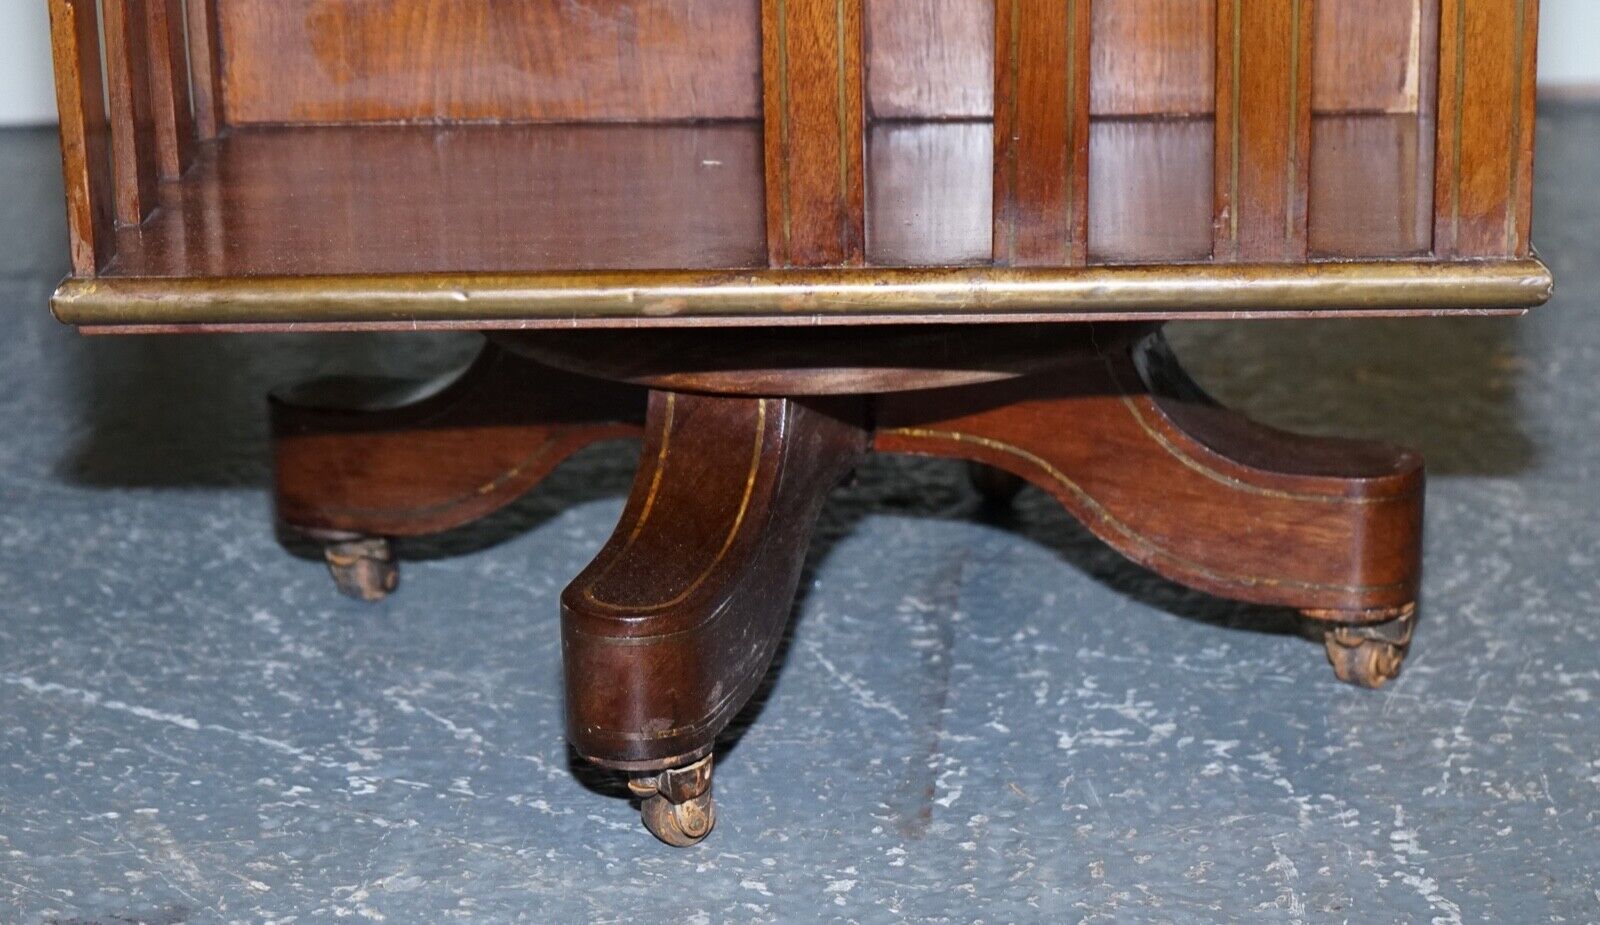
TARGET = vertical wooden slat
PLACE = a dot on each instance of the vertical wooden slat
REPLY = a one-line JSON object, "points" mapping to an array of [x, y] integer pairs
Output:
{"points": [[133, 146], [85, 134], [1041, 132], [812, 95], [203, 60], [1263, 128], [169, 87], [1484, 177]]}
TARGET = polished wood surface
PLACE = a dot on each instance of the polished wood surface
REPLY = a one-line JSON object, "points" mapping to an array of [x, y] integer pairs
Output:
{"points": [[669, 630], [1154, 57], [171, 108], [85, 134], [1041, 133], [133, 143], [1374, 55], [1484, 198], [1150, 195], [391, 458], [396, 199], [289, 61], [1263, 103], [1193, 491], [1371, 187], [815, 177], [930, 59], [408, 199], [204, 65]]}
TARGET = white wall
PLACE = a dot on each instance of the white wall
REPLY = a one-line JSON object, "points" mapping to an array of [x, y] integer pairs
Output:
{"points": [[27, 90], [1568, 34]]}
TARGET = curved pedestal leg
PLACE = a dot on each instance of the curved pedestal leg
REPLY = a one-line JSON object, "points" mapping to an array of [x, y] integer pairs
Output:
{"points": [[669, 631], [358, 461], [1191, 490]]}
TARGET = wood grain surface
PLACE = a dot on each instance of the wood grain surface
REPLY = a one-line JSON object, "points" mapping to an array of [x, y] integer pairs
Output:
{"points": [[437, 60], [814, 132]]}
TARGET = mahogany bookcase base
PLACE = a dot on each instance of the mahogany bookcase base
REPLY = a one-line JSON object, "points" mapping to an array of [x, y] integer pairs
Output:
{"points": [[668, 632]]}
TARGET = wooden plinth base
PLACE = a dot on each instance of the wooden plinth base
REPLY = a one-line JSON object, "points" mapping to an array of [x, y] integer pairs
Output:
{"points": [[668, 632]]}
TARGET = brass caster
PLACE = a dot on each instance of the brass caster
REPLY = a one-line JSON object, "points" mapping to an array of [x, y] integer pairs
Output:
{"points": [[364, 568], [1370, 655], [997, 486], [676, 803]]}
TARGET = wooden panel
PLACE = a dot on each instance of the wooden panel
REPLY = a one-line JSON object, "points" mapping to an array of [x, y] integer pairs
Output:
{"points": [[170, 111], [1041, 132], [928, 202], [396, 199], [1371, 186], [1154, 57], [814, 145], [133, 144], [1150, 190], [1263, 128], [398, 60], [1484, 194], [85, 134], [930, 59], [203, 60], [1369, 55]]}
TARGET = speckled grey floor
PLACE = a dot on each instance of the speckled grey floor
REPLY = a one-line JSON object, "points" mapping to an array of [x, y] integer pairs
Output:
{"points": [[977, 718]]}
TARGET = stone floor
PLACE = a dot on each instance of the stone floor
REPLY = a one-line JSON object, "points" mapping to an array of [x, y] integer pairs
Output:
{"points": [[978, 718]]}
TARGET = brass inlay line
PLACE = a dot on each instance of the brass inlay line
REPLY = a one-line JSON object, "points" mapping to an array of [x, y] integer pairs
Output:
{"points": [[844, 110], [785, 207], [1459, 123], [1291, 196], [727, 543], [1105, 516], [1069, 212], [490, 487], [660, 471], [1176, 452], [1514, 144], [1236, 95], [1008, 213]]}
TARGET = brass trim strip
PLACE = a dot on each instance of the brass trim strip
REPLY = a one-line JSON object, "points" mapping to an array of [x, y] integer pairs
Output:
{"points": [[815, 296]]}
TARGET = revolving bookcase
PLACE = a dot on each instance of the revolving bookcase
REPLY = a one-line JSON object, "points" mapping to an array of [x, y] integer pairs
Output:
{"points": [[772, 236]]}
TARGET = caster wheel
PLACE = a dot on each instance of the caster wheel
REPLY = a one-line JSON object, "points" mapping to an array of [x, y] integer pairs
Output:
{"points": [[364, 569], [997, 486], [676, 804], [1367, 663], [1370, 655], [681, 825]]}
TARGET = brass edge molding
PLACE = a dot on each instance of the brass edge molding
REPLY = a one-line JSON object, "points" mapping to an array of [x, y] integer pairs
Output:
{"points": [[776, 296]]}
